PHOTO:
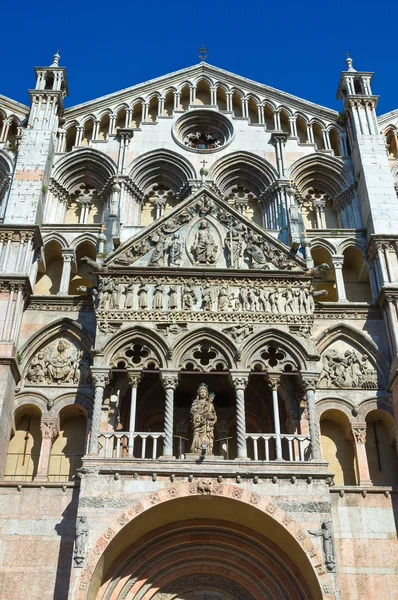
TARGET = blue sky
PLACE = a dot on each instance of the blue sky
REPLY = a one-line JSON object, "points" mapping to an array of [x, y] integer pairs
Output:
{"points": [[298, 47]]}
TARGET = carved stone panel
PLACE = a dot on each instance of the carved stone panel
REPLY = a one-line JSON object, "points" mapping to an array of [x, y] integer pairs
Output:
{"points": [[61, 362], [344, 366]]}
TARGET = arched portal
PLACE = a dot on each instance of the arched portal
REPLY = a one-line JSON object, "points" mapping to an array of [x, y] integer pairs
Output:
{"points": [[203, 540]]}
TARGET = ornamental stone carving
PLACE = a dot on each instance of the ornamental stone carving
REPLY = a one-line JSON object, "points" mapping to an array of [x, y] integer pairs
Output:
{"points": [[204, 247], [80, 549], [203, 420], [60, 363], [347, 369], [328, 545]]}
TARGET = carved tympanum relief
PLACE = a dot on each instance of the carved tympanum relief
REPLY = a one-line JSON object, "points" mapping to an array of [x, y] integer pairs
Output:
{"points": [[60, 362], [346, 367], [212, 236]]}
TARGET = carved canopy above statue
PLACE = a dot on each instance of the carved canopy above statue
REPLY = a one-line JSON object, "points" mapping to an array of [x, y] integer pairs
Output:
{"points": [[204, 231]]}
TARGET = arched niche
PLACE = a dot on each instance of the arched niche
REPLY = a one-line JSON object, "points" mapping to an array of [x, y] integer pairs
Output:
{"points": [[24, 446], [50, 270], [69, 446], [356, 276], [337, 446], [321, 255], [381, 449]]}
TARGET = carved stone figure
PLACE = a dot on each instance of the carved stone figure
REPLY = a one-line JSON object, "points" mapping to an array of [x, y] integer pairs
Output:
{"points": [[188, 297], [157, 256], [223, 298], [348, 370], [143, 296], [129, 291], [60, 366], [207, 299], [80, 550], [256, 250], [173, 297], [234, 243], [175, 251], [328, 545], [105, 293], [204, 247], [157, 303], [203, 420], [37, 369], [244, 296]]}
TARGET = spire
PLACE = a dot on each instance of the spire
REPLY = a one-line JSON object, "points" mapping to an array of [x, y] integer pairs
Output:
{"points": [[348, 61], [55, 60]]}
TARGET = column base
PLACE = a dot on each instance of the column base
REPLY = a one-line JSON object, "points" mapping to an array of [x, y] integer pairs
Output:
{"points": [[166, 457], [41, 478], [365, 483], [242, 458]]}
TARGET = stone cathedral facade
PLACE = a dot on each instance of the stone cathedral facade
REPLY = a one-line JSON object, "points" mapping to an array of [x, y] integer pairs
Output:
{"points": [[199, 342]]}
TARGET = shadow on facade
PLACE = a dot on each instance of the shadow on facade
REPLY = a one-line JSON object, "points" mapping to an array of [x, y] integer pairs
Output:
{"points": [[66, 531]]}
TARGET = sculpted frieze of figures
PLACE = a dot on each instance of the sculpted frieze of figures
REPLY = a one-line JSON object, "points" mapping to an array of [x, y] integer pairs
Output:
{"points": [[124, 293], [60, 363], [214, 229], [347, 369]]}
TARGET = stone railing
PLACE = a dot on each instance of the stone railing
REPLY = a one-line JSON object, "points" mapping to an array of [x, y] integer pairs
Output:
{"points": [[116, 444], [262, 446]]}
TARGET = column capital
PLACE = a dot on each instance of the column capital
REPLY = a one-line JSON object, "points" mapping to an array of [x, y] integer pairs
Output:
{"points": [[279, 137], [359, 433], [273, 380], [134, 377], [337, 262], [240, 379], [308, 381], [100, 376], [68, 254], [169, 378], [49, 428]]}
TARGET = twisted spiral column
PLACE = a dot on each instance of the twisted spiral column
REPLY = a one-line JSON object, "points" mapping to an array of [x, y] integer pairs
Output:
{"points": [[240, 381], [100, 379], [170, 383]]}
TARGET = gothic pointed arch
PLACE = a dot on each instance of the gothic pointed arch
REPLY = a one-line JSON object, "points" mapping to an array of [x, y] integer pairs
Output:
{"points": [[320, 171], [136, 347], [205, 349], [243, 169], [84, 165], [161, 167]]}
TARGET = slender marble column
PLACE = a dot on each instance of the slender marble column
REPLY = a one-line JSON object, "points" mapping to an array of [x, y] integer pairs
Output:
{"points": [[49, 431], [359, 435], [309, 384], [100, 376], [274, 381], [134, 377], [240, 381], [170, 383], [68, 256], [338, 262]]}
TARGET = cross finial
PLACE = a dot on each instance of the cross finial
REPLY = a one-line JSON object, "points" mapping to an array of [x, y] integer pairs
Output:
{"points": [[348, 61], [203, 53], [204, 163]]}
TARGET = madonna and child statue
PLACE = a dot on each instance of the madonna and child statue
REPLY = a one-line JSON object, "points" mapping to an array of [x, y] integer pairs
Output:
{"points": [[203, 420]]}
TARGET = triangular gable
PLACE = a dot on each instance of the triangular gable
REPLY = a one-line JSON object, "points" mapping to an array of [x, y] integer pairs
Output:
{"points": [[204, 231]]}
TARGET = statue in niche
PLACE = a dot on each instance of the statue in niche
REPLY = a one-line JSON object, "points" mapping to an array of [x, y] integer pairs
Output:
{"points": [[328, 546], [105, 293], [157, 303], [258, 250], [60, 366], [157, 256], [223, 298], [203, 420], [189, 298], [173, 297], [129, 290], [175, 251], [37, 369], [143, 295], [204, 247], [234, 243], [207, 298], [80, 549]]}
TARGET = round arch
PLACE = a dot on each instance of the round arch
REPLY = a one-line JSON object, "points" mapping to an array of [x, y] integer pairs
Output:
{"points": [[136, 335], [233, 511], [243, 168], [214, 340], [324, 172], [88, 164], [161, 166]]}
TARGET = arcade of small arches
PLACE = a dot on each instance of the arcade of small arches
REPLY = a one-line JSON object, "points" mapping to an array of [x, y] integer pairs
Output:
{"points": [[103, 125], [265, 407]]}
